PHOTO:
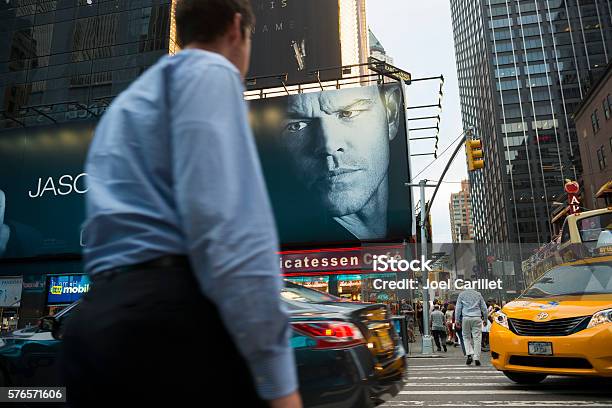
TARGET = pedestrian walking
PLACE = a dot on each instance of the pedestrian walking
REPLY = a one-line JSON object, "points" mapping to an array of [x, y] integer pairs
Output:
{"points": [[450, 329], [408, 313], [419, 316], [180, 233], [458, 334], [486, 328], [471, 312], [438, 328], [492, 308]]}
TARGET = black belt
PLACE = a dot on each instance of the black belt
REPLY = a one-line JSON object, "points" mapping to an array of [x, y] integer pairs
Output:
{"points": [[167, 261]]}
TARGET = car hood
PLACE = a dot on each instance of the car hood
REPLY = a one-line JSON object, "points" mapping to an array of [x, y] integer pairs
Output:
{"points": [[557, 307]]}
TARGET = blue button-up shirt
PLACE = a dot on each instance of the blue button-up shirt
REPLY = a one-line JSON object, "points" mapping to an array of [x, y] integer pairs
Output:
{"points": [[470, 303], [173, 169]]}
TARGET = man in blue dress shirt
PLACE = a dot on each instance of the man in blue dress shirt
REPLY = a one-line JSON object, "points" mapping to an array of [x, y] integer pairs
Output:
{"points": [[180, 237]]}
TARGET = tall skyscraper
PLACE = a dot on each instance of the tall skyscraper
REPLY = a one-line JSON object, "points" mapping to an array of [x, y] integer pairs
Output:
{"points": [[523, 68], [377, 50], [460, 209], [64, 58], [67, 59]]}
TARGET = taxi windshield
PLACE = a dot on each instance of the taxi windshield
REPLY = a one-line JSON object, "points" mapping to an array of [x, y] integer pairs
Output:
{"points": [[593, 228], [589, 279]]}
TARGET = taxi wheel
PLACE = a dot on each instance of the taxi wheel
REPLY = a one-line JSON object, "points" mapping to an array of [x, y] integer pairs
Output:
{"points": [[523, 378]]}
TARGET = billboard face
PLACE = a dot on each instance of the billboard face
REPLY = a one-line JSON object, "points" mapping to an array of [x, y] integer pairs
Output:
{"points": [[41, 190], [295, 37], [335, 164], [66, 288]]}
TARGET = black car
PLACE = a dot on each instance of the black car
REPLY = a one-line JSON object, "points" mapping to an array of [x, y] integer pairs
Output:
{"points": [[347, 354]]}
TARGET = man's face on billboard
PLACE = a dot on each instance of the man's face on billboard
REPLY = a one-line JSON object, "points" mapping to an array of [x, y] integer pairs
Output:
{"points": [[338, 142]]}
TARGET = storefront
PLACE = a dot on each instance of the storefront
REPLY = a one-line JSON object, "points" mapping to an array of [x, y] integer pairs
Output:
{"points": [[10, 300], [345, 272]]}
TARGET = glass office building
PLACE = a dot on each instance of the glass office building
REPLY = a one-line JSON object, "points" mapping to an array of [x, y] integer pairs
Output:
{"points": [[66, 59], [523, 68], [61, 61]]}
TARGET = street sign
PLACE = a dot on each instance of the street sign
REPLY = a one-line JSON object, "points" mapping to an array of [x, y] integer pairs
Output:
{"points": [[381, 67]]}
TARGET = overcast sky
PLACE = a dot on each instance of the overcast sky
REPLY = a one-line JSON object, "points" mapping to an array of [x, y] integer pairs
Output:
{"points": [[419, 36]]}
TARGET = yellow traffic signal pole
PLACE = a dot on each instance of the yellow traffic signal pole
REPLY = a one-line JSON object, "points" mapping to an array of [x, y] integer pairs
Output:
{"points": [[427, 346]]}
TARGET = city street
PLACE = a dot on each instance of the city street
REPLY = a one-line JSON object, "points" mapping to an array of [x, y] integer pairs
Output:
{"points": [[281, 192], [448, 382]]}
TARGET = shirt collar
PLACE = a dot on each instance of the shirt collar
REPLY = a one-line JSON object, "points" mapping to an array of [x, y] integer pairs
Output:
{"points": [[210, 55]]}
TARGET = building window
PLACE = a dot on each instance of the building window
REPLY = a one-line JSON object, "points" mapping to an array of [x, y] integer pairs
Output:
{"points": [[539, 81], [595, 121], [607, 106], [601, 158]]}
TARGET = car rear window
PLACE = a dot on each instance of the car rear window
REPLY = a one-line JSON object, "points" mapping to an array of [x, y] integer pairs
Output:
{"points": [[298, 293]]}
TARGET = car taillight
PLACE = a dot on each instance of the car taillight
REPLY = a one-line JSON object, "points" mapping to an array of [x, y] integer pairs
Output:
{"points": [[331, 334]]}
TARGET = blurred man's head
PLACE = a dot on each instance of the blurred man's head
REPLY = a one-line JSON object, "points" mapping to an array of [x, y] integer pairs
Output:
{"points": [[223, 26], [339, 143], [437, 307]]}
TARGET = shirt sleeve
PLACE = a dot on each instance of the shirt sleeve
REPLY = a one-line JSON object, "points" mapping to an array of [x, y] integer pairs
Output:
{"points": [[483, 308], [227, 221], [459, 309]]}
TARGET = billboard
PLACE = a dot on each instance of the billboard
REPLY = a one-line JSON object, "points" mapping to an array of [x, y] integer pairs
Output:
{"points": [[335, 164], [41, 189], [66, 288], [10, 291], [294, 37]]}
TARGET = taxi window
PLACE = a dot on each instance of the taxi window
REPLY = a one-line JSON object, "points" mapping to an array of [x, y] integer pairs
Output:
{"points": [[565, 235], [590, 228], [573, 280]]}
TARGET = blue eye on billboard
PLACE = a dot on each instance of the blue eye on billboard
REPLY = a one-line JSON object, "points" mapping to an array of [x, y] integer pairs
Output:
{"points": [[66, 288]]}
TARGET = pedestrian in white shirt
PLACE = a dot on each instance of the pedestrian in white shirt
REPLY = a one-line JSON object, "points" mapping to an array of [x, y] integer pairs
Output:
{"points": [[471, 312]]}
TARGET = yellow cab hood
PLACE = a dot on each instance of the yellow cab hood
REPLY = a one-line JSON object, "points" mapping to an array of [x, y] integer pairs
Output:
{"points": [[557, 307]]}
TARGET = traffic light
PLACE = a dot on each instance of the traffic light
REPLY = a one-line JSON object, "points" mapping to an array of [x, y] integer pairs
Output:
{"points": [[473, 149]]}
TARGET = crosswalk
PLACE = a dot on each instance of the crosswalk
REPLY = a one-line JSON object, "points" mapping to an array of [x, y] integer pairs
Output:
{"points": [[450, 383]]}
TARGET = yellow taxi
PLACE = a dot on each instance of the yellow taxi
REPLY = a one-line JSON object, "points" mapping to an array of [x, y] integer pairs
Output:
{"points": [[561, 325]]}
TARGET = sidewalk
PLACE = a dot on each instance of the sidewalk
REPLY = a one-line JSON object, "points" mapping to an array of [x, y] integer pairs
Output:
{"points": [[453, 352]]}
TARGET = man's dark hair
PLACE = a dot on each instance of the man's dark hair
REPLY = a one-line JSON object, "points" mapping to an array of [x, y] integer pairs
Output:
{"points": [[206, 20]]}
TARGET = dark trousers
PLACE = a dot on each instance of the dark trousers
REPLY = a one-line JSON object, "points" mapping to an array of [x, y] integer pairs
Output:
{"points": [[440, 338], [151, 339], [459, 333]]}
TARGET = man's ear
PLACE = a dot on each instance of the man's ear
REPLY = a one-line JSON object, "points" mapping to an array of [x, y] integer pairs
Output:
{"points": [[235, 31], [392, 103]]}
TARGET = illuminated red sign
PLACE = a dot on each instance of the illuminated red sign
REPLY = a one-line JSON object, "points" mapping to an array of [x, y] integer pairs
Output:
{"points": [[335, 260], [572, 189]]}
